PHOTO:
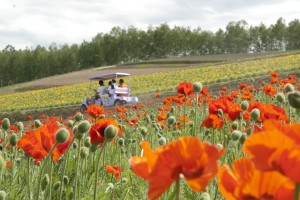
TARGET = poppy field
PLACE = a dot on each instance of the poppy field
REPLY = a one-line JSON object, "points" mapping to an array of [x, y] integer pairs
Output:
{"points": [[73, 94], [241, 143]]}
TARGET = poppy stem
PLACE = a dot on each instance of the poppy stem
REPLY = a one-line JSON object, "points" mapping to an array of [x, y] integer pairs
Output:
{"points": [[42, 169], [97, 166], [28, 177], [297, 190], [76, 169], [177, 188], [195, 121], [184, 113]]}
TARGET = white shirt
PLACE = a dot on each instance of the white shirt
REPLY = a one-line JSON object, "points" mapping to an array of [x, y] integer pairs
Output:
{"points": [[101, 89]]}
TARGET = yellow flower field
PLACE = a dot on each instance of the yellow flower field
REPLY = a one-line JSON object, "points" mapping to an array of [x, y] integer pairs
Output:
{"points": [[74, 94]]}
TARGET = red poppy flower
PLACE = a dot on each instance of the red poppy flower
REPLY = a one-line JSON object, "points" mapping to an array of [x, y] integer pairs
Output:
{"points": [[185, 88], [115, 170], [246, 182], [121, 109], [161, 116], [187, 156], [213, 121], [8, 164], [246, 95], [157, 95], [269, 90], [274, 74], [242, 86], [97, 130], [29, 117], [37, 144], [234, 94], [95, 110]]}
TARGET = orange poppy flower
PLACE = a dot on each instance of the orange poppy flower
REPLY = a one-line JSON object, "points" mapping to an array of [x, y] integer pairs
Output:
{"points": [[187, 156], [8, 164], [37, 144], [184, 118], [157, 95], [234, 94], [161, 116], [269, 90], [213, 121], [29, 117], [97, 130], [115, 170], [243, 85], [95, 110], [274, 74], [185, 88], [121, 109], [234, 111], [246, 95], [246, 182], [277, 147]]}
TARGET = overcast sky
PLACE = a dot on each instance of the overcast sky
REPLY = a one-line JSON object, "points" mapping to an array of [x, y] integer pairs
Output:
{"points": [[27, 23]]}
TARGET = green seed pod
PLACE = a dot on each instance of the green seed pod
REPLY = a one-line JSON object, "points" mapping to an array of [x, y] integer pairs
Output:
{"points": [[84, 126], [56, 185], [84, 152], [87, 141], [102, 116], [62, 135], [172, 110], [255, 113], [280, 97], [171, 120], [66, 180], [13, 139], [288, 88], [197, 86], [152, 116], [20, 126], [244, 105], [37, 123], [192, 111], [93, 147], [78, 117], [294, 99], [205, 196], [2, 195], [220, 147], [235, 125], [45, 181], [143, 131], [110, 132], [162, 141], [242, 138], [235, 135], [5, 124]]}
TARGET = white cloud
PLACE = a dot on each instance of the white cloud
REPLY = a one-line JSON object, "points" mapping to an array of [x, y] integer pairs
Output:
{"points": [[32, 22]]}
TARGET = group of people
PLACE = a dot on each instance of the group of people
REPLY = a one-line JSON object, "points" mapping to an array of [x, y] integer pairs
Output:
{"points": [[104, 92]]}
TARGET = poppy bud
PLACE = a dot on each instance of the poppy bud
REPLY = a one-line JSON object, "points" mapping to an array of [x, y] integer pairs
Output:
{"points": [[204, 196], [288, 88], [20, 126], [70, 123], [171, 120], [280, 97], [5, 124], [234, 125], [220, 112], [94, 147], [235, 135], [121, 141], [220, 146], [37, 123], [294, 99], [75, 145], [255, 113], [143, 131], [84, 126], [62, 135], [244, 105], [2, 195], [110, 132], [45, 181], [249, 131], [78, 117], [111, 185], [56, 185], [197, 86], [192, 111], [84, 152], [13, 139], [172, 110], [242, 138], [162, 141], [124, 180], [66, 180], [87, 141]]}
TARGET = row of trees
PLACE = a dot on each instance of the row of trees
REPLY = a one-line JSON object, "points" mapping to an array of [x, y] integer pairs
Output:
{"points": [[132, 44]]}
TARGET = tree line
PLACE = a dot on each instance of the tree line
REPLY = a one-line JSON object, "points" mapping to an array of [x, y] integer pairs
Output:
{"points": [[132, 44]]}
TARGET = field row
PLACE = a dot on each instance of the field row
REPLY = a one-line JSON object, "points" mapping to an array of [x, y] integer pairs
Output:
{"points": [[74, 94]]}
